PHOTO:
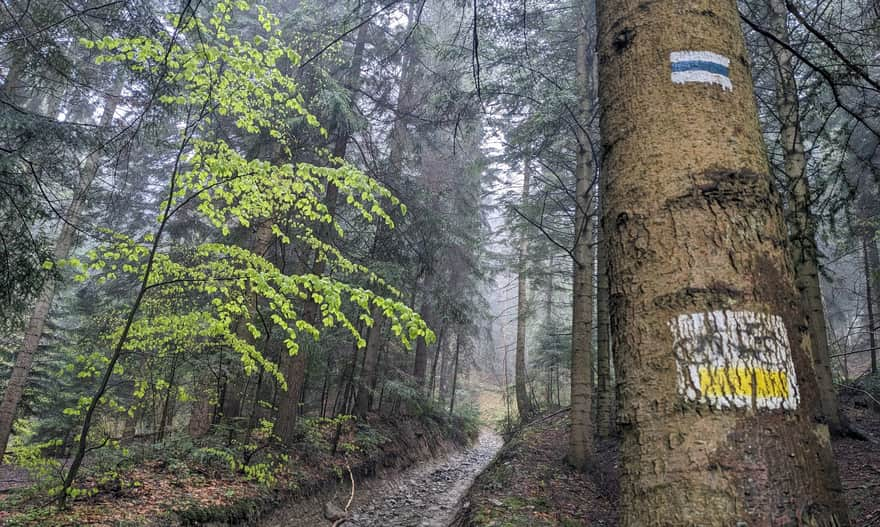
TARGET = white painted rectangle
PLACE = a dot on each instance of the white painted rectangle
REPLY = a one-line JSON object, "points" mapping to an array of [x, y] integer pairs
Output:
{"points": [[734, 359], [703, 67]]}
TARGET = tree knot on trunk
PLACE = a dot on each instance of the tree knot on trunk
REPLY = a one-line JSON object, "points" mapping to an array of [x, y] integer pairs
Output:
{"points": [[623, 39]]}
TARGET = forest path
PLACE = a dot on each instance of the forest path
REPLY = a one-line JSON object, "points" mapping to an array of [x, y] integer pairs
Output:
{"points": [[425, 495]]}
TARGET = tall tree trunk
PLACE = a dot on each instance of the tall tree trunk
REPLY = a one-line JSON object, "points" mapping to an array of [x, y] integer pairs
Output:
{"points": [[375, 393], [717, 385], [872, 267], [605, 383], [455, 371], [168, 402], [580, 443], [371, 360], [349, 383], [12, 84], [802, 224], [203, 407], [437, 349], [237, 384], [294, 367], [558, 387], [445, 367], [24, 359], [548, 386], [420, 360], [262, 393], [506, 361], [420, 356], [548, 324], [523, 402], [325, 385]]}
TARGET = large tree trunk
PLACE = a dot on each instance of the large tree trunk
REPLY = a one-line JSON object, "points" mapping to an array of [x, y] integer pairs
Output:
{"points": [[293, 368], [580, 444], [802, 224], [717, 385], [24, 359], [523, 402]]}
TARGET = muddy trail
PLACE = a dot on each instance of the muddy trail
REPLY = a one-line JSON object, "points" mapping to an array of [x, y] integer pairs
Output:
{"points": [[425, 495]]}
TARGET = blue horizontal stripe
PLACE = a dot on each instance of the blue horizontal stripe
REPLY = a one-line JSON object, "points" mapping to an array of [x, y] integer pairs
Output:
{"points": [[700, 65]]}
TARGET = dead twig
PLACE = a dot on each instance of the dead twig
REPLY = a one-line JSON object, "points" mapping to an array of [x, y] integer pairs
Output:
{"points": [[350, 498], [866, 392], [342, 520]]}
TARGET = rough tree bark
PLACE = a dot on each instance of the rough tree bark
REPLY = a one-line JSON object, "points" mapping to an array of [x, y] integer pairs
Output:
{"points": [[580, 443], [605, 382], [717, 386], [24, 359], [801, 222], [523, 402]]}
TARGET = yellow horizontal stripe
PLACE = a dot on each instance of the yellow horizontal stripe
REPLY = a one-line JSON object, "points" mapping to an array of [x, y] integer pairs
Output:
{"points": [[730, 382]]}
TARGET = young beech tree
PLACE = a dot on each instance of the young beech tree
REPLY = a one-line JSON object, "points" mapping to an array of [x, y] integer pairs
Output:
{"points": [[717, 386], [213, 75]]}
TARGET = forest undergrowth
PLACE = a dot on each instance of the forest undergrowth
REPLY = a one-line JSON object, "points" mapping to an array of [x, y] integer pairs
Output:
{"points": [[180, 481]]}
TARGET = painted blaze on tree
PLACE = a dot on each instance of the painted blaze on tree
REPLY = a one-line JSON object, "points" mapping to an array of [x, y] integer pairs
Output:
{"points": [[719, 410], [734, 359]]}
